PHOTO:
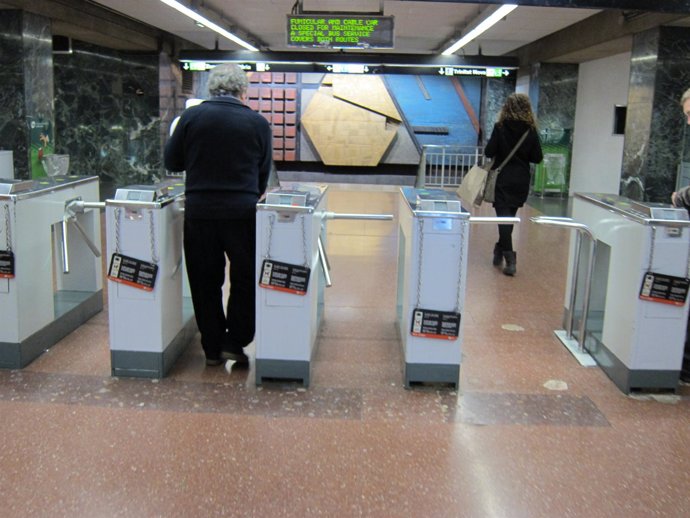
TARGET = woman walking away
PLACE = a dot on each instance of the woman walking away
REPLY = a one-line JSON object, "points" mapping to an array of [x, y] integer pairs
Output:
{"points": [[512, 185]]}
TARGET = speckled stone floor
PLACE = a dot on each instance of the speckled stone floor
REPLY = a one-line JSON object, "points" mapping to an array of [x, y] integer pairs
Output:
{"points": [[530, 433]]}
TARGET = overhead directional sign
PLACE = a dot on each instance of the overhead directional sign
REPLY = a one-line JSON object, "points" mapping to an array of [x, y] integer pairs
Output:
{"points": [[358, 68], [476, 71]]}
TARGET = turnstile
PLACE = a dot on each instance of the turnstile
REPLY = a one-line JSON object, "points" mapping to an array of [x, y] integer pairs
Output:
{"points": [[432, 267], [292, 272], [637, 308], [151, 321], [50, 276], [289, 299]]}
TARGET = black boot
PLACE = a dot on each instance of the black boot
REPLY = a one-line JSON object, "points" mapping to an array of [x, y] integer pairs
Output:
{"points": [[511, 263], [498, 255]]}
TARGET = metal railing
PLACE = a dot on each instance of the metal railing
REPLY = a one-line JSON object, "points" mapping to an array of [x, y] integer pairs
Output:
{"points": [[445, 166]]}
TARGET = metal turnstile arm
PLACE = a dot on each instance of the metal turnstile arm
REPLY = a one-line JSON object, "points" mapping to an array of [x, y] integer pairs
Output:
{"points": [[493, 219], [582, 230], [323, 258], [325, 265], [73, 208], [378, 217]]}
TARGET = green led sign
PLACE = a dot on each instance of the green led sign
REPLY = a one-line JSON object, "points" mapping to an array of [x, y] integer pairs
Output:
{"points": [[339, 31]]}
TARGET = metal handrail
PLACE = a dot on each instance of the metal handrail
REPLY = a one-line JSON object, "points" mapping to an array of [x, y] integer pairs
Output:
{"points": [[446, 165]]}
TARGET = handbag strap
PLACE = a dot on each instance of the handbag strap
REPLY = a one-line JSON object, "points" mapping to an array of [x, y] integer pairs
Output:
{"points": [[512, 152]]}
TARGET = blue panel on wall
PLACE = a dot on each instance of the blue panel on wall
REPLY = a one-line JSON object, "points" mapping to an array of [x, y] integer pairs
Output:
{"points": [[443, 108]]}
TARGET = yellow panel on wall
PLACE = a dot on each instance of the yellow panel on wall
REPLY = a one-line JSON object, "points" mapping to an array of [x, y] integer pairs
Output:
{"points": [[345, 134], [366, 91]]}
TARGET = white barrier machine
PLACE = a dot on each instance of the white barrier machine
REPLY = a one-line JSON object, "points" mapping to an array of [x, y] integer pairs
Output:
{"points": [[637, 309], [151, 321], [292, 270], [50, 276], [433, 237], [433, 234]]}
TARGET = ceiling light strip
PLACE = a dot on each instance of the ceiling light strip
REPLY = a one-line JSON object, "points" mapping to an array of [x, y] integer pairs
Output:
{"points": [[208, 23], [500, 13]]}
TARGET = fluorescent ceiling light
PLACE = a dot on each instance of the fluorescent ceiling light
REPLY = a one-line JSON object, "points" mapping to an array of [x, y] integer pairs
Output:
{"points": [[208, 23], [500, 13]]}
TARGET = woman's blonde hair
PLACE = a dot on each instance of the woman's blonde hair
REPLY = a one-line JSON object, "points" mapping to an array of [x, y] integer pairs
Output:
{"points": [[517, 108]]}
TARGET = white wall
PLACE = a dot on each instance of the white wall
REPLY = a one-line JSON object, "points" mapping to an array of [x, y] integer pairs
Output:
{"points": [[597, 157]]}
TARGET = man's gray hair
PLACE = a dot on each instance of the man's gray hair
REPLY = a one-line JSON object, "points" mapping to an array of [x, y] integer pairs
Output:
{"points": [[686, 96], [227, 80]]}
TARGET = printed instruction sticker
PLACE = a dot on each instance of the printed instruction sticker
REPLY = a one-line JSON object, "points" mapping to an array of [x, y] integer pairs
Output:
{"points": [[667, 289], [440, 325], [133, 272], [6, 264], [289, 278]]}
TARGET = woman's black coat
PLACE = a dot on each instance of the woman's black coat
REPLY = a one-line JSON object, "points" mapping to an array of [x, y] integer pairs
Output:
{"points": [[512, 184]]}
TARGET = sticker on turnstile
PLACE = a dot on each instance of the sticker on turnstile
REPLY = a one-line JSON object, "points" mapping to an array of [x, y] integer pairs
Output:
{"points": [[667, 289], [133, 272], [6, 264], [290, 278], [441, 325]]}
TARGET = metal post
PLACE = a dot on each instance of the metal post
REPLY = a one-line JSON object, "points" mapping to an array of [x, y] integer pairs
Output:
{"points": [[420, 181], [443, 166]]}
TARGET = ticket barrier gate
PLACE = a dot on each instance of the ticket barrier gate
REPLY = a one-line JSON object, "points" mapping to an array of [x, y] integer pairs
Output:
{"points": [[151, 321], [633, 318], [290, 248], [50, 276], [433, 235]]}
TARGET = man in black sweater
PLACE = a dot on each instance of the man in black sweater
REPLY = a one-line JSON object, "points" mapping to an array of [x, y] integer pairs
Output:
{"points": [[225, 149]]}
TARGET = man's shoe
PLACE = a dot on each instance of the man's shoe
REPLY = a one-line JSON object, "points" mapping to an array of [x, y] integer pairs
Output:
{"points": [[214, 362], [238, 357]]}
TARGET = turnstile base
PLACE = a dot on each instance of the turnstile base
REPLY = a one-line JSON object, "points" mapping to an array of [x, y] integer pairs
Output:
{"points": [[149, 364], [583, 357], [631, 380], [293, 370], [72, 308], [431, 373]]}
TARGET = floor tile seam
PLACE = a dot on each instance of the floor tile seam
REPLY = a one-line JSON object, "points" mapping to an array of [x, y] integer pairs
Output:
{"points": [[576, 398], [247, 405]]}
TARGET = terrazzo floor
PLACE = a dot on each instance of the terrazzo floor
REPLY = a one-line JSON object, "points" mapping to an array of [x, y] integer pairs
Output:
{"points": [[530, 432]]}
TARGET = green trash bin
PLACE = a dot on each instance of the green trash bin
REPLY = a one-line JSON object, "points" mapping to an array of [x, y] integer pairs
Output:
{"points": [[552, 174]]}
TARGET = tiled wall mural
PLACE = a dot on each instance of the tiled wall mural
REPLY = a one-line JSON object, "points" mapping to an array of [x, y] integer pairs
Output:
{"points": [[351, 120], [365, 120]]}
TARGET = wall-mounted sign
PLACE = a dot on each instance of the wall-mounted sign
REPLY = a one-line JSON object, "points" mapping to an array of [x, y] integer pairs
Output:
{"points": [[340, 31], [290, 278], [133, 272], [667, 289], [441, 325]]}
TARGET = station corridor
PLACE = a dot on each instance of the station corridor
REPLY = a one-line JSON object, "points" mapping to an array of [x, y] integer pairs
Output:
{"points": [[530, 433]]}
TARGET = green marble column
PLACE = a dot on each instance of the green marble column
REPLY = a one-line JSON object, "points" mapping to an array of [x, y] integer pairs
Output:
{"points": [[27, 119]]}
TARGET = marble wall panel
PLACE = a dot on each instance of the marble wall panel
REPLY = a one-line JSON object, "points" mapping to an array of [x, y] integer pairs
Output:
{"points": [[13, 128], [557, 96], [495, 92], [26, 85], [107, 107], [655, 136], [643, 66]]}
